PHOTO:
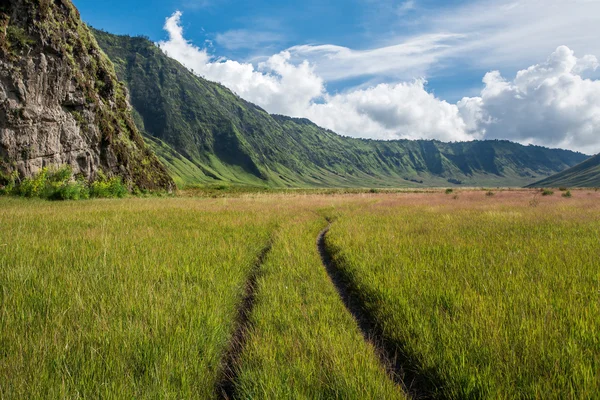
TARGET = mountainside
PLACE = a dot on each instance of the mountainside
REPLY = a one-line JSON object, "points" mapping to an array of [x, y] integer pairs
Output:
{"points": [[61, 101], [205, 133], [586, 174]]}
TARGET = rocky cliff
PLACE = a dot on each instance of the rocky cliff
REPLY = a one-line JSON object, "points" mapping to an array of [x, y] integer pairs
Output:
{"points": [[61, 102]]}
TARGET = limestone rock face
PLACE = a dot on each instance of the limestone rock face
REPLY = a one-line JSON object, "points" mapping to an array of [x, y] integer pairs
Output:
{"points": [[38, 127], [61, 102]]}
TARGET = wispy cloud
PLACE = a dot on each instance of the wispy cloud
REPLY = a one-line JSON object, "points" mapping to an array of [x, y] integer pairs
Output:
{"points": [[406, 7], [201, 4], [248, 39], [411, 58], [507, 33], [495, 33]]}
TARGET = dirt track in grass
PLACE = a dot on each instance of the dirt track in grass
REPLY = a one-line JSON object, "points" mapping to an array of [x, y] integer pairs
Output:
{"points": [[230, 363], [399, 368]]}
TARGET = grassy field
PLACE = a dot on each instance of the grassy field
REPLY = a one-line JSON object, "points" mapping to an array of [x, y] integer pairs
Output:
{"points": [[488, 296], [485, 296], [304, 344], [129, 299]]}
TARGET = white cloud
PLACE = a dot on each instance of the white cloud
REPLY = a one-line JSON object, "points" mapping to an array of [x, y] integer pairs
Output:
{"points": [[548, 104], [405, 7], [480, 34], [403, 110], [411, 58], [243, 39], [200, 4], [510, 33], [276, 84]]}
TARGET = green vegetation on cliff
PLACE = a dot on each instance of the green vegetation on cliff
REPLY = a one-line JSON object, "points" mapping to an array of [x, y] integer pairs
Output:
{"points": [[205, 133], [62, 102]]}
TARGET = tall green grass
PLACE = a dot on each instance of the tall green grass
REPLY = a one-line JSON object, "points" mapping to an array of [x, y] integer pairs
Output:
{"points": [[132, 298], [303, 343], [490, 298]]}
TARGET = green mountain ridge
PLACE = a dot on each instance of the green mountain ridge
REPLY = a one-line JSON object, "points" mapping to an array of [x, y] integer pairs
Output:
{"points": [[204, 133], [586, 174]]}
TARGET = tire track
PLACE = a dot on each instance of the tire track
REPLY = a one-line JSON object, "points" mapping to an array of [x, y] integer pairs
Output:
{"points": [[225, 387], [397, 367]]}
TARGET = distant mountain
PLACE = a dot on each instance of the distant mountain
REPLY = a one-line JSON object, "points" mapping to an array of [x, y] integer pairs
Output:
{"points": [[205, 133], [586, 174], [61, 102]]}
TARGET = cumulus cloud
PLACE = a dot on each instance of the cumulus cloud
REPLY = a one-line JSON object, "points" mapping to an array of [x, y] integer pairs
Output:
{"points": [[275, 84], [548, 104], [391, 111]]}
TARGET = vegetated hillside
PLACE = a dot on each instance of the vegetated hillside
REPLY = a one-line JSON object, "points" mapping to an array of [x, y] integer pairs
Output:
{"points": [[205, 133], [586, 174], [61, 101]]}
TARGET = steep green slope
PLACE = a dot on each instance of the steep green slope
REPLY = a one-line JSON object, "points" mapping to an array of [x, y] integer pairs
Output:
{"points": [[61, 101], [586, 174], [216, 136]]}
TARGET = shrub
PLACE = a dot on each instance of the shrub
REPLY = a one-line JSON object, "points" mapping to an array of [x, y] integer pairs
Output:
{"points": [[34, 186], [61, 175], [567, 194], [71, 191], [58, 184], [373, 191], [490, 194], [8, 182], [547, 192], [563, 189], [105, 187], [449, 191], [52, 184]]}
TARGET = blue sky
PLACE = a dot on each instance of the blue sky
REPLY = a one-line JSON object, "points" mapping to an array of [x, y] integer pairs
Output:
{"points": [[275, 26], [392, 69]]}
